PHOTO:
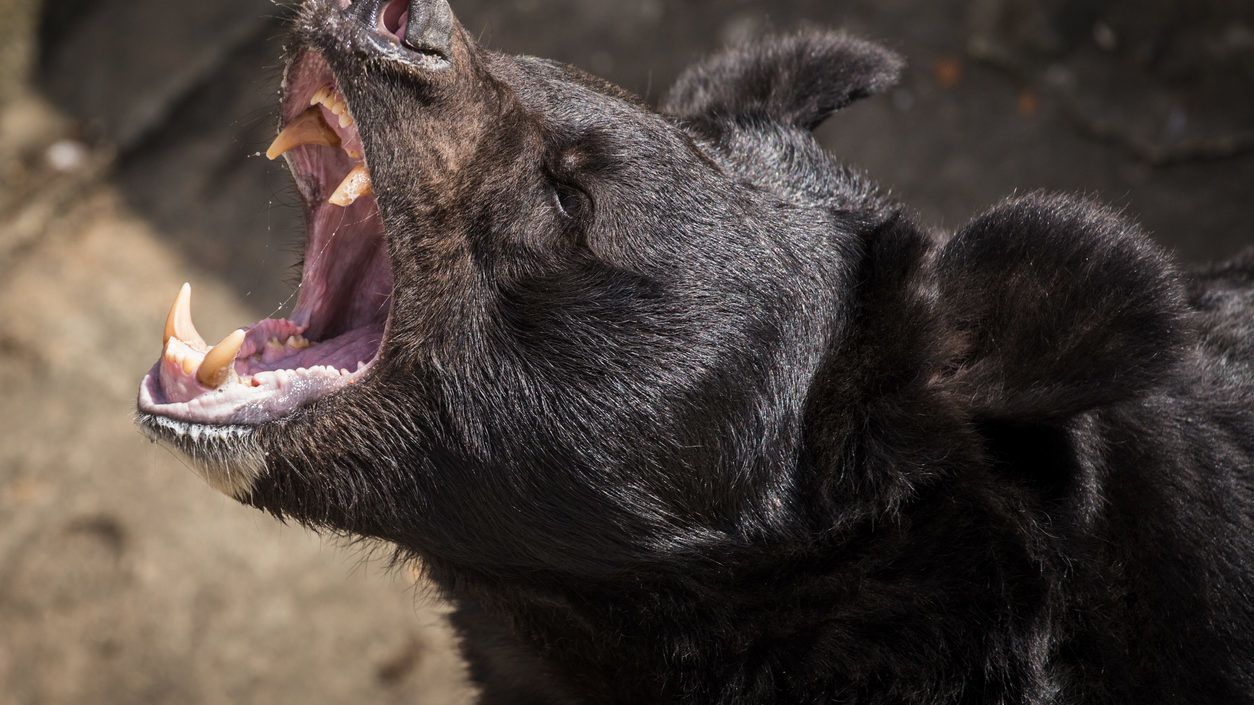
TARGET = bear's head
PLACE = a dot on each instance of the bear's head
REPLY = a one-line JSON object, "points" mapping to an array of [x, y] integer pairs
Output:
{"points": [[543, 327]]}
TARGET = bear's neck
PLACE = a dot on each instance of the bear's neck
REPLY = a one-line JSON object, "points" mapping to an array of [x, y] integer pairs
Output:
{"points": [[898, 616]]}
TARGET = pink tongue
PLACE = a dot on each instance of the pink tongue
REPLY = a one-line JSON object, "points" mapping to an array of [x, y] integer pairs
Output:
{"points": [[346, 352], [269, 329], [270, 345]]}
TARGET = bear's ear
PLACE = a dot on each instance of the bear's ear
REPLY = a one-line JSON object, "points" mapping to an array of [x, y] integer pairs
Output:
{"points": [[1057, 306], [798, 80]]}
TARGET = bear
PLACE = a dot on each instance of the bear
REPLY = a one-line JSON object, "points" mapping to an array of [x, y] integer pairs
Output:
{"points": [[674, 407]]}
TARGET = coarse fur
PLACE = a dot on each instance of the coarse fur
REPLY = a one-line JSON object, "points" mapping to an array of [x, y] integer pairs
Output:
{"points": [[676, 408]]}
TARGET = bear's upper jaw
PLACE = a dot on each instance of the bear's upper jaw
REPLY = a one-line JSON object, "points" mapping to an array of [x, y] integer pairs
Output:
{"points": [[265, 371]]}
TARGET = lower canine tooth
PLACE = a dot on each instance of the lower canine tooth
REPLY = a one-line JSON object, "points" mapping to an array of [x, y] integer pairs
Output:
{"points": [[219, 363], [353, 187], [178, 324], [309, 128]]}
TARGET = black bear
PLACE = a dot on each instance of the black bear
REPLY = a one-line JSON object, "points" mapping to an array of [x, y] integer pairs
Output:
{"points": [[675, 408]]}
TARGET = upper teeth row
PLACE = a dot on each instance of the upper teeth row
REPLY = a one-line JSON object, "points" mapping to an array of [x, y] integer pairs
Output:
{"points": [[328, 97], [311, 128]]}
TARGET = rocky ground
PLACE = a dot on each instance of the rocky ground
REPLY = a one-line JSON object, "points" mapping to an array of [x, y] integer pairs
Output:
{"points": [[128, 140]]}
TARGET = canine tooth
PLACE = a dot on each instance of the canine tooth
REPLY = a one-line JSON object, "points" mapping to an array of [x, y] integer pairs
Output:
{"points": [[353, 187], [219, 363], [309, 128], [178, 324]]}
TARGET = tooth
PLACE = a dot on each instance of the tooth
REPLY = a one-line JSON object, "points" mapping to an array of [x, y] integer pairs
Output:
{"points": [[178, 324], [353, 187], [219, 364], [320, 95], [309, 128], [346, 120], [181, 356]]}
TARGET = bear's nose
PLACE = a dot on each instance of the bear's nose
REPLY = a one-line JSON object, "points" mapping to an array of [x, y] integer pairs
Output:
{"points": [[424, 26]]}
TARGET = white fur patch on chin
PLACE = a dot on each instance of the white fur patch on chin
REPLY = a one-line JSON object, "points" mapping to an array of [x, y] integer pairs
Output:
{"points": [[224, 456]]}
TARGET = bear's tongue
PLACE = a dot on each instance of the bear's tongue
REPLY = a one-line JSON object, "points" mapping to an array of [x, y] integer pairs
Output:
{"points": [[326, 123], [269, 353]]}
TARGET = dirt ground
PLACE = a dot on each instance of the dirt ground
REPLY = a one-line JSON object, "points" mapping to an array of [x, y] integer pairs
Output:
{"points": [[129, 133]]}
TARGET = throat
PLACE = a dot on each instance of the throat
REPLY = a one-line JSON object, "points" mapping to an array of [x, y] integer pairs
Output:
{"points": [[619, 646], [347, 280]]}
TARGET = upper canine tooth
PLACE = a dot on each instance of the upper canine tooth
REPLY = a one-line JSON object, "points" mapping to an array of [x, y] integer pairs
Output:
{"points": [[219, 364], [178, 323], [353, 187], [309, 128]]}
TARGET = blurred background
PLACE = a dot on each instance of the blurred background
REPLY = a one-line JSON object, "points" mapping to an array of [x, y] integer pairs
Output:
{"points": [[129, 140]]}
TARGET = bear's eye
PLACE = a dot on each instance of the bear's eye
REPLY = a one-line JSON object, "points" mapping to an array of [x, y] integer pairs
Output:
{"points": [[571, 202]]}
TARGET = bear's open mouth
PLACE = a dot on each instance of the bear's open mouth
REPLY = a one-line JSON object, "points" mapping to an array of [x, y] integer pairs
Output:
{"points": [[274, 367]]}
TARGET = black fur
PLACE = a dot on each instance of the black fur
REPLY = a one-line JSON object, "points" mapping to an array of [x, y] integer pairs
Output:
{"points": [[736, 429]]}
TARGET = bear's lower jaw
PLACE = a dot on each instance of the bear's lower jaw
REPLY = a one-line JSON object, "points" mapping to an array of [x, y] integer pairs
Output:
{"points": [[270, 369], [226, 457]]}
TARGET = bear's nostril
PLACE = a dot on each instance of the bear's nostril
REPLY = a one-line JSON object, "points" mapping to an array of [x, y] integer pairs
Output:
{"points": [[394, 19], [425, 27]]}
